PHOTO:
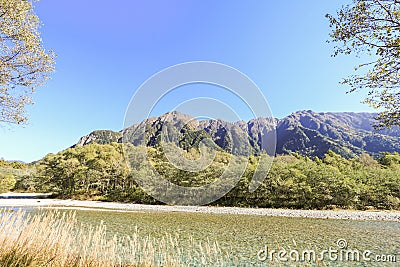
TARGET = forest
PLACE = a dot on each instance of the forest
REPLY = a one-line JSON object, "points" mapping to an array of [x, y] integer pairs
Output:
{"points": [[100, 172]]}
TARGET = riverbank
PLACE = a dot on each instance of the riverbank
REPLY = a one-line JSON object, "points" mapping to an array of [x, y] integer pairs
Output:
{"points": [[13, 195], [125, 207]]}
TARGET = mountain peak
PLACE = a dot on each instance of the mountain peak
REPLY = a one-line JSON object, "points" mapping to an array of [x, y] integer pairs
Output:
{"points": [[306, 132]]}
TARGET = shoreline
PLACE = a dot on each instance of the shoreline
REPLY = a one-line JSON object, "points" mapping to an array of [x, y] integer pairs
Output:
{"points": [[393, 216]]}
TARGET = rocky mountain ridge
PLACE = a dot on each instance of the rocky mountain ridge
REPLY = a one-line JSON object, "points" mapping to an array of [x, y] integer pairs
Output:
{"points": [[305, 132]]}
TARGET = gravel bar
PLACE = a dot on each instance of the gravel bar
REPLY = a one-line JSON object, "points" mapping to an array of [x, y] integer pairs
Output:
{"points": [[125, 207]]}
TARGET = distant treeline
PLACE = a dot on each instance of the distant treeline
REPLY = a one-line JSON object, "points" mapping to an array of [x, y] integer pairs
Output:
{"points": [[99, 172]]}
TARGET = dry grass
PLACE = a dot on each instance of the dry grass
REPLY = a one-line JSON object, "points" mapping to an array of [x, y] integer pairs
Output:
{"points": [[57, 239]]}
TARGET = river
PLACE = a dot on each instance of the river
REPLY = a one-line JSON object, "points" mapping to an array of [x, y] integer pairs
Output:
{"points": [[251, 237]]}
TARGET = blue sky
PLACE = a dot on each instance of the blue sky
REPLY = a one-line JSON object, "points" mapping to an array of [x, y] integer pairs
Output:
{"points": [[107, 49]]}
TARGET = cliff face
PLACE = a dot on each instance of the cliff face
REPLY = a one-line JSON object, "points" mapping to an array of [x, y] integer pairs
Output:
{"points": [[100, 137], [346, 133], [305, 132]]}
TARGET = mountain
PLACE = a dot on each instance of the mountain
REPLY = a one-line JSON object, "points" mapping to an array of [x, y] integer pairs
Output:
{"points": [[346, 133], [100, 137], [305, 132]]}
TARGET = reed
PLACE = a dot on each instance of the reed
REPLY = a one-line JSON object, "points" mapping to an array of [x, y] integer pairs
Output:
{"points": [[51, 238]]}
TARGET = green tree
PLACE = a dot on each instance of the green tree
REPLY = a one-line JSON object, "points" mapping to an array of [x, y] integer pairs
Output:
{"points": [[99, 172], [372, 27], [389, 159], [7, 182], [24, 63]]}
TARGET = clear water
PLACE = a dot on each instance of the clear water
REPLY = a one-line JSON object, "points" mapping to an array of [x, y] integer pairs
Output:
{"points": [[246, 235]]}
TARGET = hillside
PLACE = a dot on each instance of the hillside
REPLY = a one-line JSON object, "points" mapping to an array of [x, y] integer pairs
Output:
{"points": [[305, 132]]}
